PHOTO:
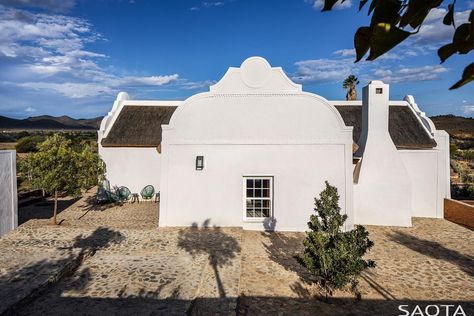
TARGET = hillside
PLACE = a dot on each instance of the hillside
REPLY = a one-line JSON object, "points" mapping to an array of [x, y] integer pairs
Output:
{"points": [[455, 125], [47, 122], [461, 132]]}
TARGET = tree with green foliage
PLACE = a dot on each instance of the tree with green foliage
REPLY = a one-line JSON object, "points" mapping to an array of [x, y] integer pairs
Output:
{"points": [[453, 150], [29, 144], [350, 84], [389, 27], [334, 256], [60, 168], [22, 134], [91, 166]]}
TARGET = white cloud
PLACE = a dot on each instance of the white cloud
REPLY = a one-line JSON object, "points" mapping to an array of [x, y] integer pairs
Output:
{"points": [[398, 53], [348, 52], [324, 70], [30, 109], [76, 90], [69, 89], [144, 81], [383, 72], [195, 85], [48, 5], [433, 32], [319, 4], [210, 4], [50, 35], [327, 70], [468, 109], [48, 52], [406, 74]]}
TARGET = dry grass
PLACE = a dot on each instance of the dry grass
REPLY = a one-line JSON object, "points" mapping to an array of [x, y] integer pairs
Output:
{"points": [[5, 146]]}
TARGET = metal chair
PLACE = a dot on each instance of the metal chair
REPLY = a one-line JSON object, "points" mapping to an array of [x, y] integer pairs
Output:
{"points": [[124, 193], [148, 192]]}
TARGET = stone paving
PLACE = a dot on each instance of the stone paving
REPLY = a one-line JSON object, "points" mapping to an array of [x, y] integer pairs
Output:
{"points": [[132, 267], [432, 262]]}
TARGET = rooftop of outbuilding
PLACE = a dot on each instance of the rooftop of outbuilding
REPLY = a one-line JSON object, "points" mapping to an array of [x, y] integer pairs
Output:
{"points": [[140, 126], [404, 128]]}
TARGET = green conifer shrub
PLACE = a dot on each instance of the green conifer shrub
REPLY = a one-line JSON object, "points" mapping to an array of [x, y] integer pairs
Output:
{"points": [[334, 256]]}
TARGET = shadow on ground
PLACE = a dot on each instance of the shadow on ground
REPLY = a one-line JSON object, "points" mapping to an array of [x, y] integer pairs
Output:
{"points": [[90, 204], [219, 247], [43, 209], [22, 286], [282, 248], [435, 250]]}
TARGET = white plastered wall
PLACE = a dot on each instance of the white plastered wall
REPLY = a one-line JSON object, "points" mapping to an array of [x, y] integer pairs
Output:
{"points": [[8, 191], [254, 122], [428, 169], [133, 167], [423, 170]]}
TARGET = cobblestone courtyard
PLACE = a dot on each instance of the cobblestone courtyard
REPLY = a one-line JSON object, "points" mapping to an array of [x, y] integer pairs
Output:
{"points": [[116, 261]]}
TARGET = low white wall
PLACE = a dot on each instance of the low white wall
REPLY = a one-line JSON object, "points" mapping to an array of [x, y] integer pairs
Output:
{"points": [[8, 192], [423, 172], [444, 159], [216, 193], [132, 167], [429, 176]]}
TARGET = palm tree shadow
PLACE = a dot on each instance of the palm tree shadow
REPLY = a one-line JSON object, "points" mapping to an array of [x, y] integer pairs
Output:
{"points": [[219, 247], [101, 238], [435, 250], [91, 204], [283, 248]]}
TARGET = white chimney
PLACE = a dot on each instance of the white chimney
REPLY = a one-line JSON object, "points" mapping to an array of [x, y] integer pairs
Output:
{"points": [[375, 100], [382, 193]]}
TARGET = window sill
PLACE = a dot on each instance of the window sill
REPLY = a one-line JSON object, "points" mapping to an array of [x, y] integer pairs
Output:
{"points": [[256, 220]]}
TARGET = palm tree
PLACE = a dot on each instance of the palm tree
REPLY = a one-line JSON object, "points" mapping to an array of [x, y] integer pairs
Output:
{"points": [[350, 84]]}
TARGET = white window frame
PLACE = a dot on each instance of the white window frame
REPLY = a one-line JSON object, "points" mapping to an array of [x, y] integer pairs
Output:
{"points": [[245, 198]]}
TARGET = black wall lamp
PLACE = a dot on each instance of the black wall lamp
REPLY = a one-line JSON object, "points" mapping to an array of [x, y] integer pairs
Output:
{"points": [[199, 162]]}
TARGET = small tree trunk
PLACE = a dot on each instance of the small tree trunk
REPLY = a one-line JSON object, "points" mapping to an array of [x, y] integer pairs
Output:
{"points": [[352, 94], [55, 213]]}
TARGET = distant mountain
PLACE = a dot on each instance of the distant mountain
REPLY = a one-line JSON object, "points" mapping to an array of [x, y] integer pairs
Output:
{"points": [[454, 125], [48, 122]]}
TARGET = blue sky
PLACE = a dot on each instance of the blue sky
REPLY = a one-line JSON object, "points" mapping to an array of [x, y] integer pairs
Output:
{"points": [[71, 57]]}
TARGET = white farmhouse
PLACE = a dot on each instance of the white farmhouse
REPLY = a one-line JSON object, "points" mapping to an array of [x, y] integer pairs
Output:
{"points": [[255, 150]]}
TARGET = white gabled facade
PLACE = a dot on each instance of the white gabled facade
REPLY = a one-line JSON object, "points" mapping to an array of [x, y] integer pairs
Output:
{"points": [[255, 122], [255, 151]]}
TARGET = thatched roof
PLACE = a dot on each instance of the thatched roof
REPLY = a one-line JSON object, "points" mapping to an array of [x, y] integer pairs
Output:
{"points": [[404, 128], [138, 126]]}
